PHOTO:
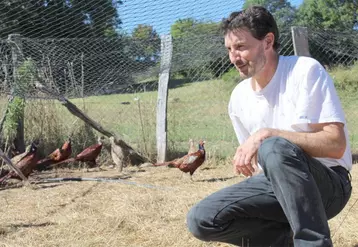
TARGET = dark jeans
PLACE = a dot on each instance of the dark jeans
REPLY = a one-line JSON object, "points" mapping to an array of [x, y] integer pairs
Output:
{"points": [[295, 193]]}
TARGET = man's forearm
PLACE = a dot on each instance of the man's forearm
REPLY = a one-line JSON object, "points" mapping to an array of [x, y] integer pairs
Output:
{"points": [[317, 144]]}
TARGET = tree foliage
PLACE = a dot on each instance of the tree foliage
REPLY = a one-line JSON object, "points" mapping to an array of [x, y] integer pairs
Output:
{"points": [[58, 18], [197, 49], [329, 14], [191, 27], [146, 41], [282, 10], [76, 42]]}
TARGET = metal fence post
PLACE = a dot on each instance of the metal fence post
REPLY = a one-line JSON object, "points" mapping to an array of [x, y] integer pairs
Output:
{"points": [[165, 63]]}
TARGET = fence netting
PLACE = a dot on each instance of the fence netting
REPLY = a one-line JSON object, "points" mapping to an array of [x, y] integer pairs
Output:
{"points": [[113, 76]]}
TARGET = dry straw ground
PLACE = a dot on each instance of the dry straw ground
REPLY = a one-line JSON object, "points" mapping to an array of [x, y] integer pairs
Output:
{"points": [[116, 214]]}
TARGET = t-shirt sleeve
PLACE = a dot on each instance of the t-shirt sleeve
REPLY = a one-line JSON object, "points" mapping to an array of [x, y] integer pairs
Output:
{"points": [[317, 100], [241, 133]]}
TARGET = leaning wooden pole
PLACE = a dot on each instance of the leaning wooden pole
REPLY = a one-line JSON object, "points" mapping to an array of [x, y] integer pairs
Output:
{"points": [[12, 166], [130, 155], [74, 109]]}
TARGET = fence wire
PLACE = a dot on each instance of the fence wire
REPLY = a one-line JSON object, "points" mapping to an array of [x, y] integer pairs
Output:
{"points": [[334, 48], [115, 80]]}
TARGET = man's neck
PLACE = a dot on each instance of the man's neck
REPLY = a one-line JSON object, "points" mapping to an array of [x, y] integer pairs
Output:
{"points": [[263, 78]]}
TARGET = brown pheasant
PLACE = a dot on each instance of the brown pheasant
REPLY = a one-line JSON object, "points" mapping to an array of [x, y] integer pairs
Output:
{"points": [[26, 164], [19, 156], [56, 156], [88, 155], [62, 153], [188, 163]]}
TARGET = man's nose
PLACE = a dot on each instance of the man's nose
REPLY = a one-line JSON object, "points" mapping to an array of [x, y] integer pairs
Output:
{"points": [[234, 56]]}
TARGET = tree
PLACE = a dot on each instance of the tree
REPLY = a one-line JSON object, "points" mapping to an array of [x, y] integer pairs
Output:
{"points": [[58, 18], [330, 24], [198, 50], [76, 42], [100, 15], [146, 44], [190, 27], [182, 27], [282, 10], [329, 14]]}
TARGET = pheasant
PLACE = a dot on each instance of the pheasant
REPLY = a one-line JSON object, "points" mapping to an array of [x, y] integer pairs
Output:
{"points": [[88, 155], [117, 154], [56, 156], [188, 163], [26, 164], [19, 156], [62, 153]]}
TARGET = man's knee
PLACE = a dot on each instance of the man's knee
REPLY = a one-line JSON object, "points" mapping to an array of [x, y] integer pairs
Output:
{"points": [[198, 223], [274, 151]]}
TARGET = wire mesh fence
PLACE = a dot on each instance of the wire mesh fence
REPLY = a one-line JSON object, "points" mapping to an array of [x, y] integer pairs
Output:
{"points": [[114, 79], [334, 48]]}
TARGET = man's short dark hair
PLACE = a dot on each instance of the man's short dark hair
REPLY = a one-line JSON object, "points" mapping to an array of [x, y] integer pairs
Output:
{"points": [[256, 19]]}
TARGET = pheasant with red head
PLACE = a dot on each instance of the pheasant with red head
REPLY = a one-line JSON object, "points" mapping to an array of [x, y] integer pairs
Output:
{"points": [[56, 156], [88, 155], [188, 163]]}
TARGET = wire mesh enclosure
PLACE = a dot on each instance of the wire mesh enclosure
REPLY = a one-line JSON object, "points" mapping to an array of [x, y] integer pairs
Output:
{"points": [[80, 50]]}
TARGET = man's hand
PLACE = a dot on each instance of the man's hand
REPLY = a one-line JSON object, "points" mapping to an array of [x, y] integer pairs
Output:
{"points": [[246, 153]]}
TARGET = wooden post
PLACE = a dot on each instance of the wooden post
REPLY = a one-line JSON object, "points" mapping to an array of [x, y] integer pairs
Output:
{"points": [[165, 63], [6, 74], [300, 41], [17, 59], [16, 55]]}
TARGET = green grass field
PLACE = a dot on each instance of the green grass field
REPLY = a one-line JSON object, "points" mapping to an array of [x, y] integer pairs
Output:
{"points": [[346, 81], [350, 103], [195, 110]]}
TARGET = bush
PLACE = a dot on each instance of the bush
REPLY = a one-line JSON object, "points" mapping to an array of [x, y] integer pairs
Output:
{"points": [[231, 76]]}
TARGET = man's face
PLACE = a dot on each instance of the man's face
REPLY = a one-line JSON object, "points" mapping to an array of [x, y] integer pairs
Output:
{"points": [[245, 52]]}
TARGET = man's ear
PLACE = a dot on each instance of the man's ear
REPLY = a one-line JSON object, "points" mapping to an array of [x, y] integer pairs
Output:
{"points": [[269, 40]]}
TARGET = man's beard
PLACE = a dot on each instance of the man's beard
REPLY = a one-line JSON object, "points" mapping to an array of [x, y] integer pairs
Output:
{"points": [[253, 67]]}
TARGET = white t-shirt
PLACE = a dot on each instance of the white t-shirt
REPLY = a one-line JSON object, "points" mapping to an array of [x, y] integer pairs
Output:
{"points": [[300, 92]]}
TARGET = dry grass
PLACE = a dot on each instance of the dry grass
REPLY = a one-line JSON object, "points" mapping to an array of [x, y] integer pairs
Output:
{"points": [[117, 214]]}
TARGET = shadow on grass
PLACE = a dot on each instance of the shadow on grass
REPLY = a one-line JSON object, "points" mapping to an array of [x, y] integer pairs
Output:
{"points": [[8, 229], [355, 160], [136, 171], [212, 180], [73, 200], [30, 225], [207, 168], [34, 186], [47, 186]]}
